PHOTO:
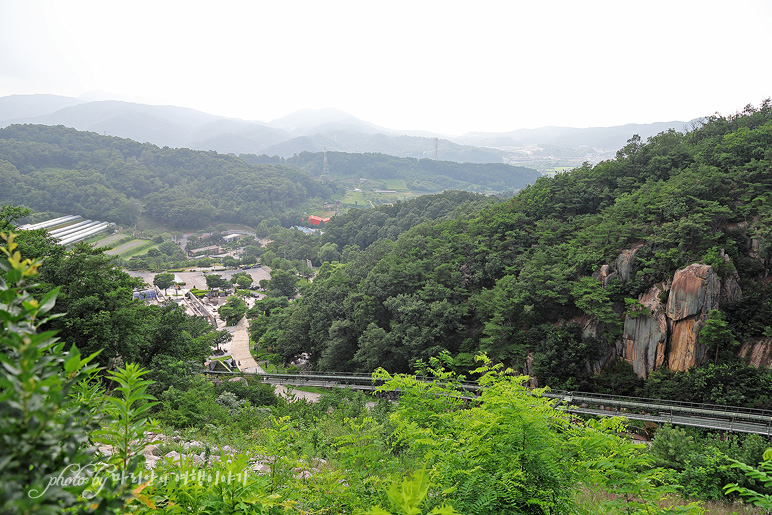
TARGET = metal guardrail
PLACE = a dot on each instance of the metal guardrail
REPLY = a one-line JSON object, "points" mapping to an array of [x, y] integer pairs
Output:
{"points": [[709, 416]]}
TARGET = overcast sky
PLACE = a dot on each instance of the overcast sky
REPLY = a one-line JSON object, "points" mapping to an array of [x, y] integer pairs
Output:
{"points": [[443, 66]]}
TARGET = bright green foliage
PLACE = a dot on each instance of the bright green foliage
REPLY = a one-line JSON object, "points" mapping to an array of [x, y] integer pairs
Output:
{"points": [[501, 454], [762, 475], [508, 450], [9, 215], [625, 470], [406, 497], [127, 410], [716, 334], [43, 430], [194, 406], [225, 487]]}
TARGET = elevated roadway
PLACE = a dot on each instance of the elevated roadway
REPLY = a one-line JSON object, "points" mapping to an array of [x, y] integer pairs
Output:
{"points": [[706, 416]]}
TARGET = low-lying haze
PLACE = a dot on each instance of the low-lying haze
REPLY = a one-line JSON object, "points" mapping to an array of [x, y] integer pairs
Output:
{"points": [[444, 66]]}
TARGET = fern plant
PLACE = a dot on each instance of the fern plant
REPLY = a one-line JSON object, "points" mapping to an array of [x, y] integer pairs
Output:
{"points": [[405, 497], [762, 474]]}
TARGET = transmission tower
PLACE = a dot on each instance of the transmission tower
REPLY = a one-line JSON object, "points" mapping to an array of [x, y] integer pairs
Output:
{"points": [[436, 148]]}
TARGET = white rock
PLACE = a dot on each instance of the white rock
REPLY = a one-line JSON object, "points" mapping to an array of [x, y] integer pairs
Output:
{"points": [[151, 450], [261, 468]]}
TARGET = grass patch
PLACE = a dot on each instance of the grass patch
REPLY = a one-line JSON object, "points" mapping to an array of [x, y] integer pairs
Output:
{"points": [[588, 501]]}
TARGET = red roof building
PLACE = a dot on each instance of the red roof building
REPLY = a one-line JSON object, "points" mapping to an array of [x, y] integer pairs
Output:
{"points": [[316, 220]]}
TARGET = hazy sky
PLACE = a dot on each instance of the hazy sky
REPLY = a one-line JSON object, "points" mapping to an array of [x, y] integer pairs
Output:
{"points": [[444, 66]]}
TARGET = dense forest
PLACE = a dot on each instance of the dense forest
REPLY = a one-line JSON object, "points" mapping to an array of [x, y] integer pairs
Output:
{"points": [[425, 175], [556, 281], [62, 170]]}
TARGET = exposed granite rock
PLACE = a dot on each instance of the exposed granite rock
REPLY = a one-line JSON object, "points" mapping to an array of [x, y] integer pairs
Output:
{"points": [[755, 250], [730, 284], [624, 262], [695, 291], [644, 338], [533, 381], [667, 335], [604, 274], [758, 352], [685, 351]]}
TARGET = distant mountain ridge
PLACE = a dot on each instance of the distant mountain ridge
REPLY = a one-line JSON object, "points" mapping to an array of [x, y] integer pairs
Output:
{"points": [[314, 130]]}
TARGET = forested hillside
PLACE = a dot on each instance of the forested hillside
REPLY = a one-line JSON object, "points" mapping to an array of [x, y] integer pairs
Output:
{"points": [[63, 170], [348, 234], [572, 276], [427, 175]]}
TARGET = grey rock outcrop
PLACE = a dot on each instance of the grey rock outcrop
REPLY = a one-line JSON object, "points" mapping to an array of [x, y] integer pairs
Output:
{"points": [[758, 353], [644, 338]]}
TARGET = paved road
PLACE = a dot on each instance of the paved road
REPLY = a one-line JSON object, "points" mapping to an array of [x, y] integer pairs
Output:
{"points": [[240, 349]]}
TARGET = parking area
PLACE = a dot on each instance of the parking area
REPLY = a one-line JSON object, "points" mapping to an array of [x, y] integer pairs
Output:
{"points": [[196, 278]]}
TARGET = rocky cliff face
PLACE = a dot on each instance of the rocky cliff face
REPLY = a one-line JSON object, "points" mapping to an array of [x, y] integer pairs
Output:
{"points": [[758, 352], [694, 293], [644, 338], [667, 333]]}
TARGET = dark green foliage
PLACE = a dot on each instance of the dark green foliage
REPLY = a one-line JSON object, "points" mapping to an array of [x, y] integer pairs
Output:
{"points": [[163, 281], [233, 309], [282, 284], [617, 378], [425, 175], [216, 281], [701, 464], [495, 277], [732, 383], [64, 170], [562, 356], [102, 317]]}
